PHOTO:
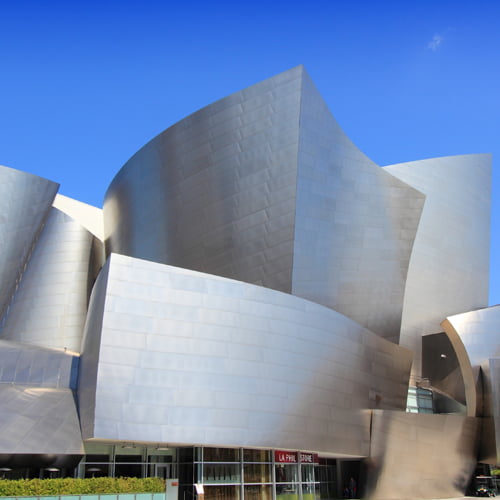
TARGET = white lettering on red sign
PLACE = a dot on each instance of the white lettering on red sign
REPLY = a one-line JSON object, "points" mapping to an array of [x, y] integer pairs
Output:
{"points": [[285, 457], [309, 458]]}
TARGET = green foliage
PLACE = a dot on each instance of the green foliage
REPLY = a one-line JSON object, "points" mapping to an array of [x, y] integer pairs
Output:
{"points": [[495, 472], [88, 486]]}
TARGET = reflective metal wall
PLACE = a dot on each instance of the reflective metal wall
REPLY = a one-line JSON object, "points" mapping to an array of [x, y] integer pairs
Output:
{"points": [[421, 456], [478, 333], [50, 305], [449, 267], [186, 358], [38, 420], [216, 191], [25, 202], [37, 407], [354, 226], [36, 366], [264, 187]]}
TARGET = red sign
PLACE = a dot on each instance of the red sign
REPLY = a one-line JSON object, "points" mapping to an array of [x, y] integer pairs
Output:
{"points": [[308, 458], [285, 457]]}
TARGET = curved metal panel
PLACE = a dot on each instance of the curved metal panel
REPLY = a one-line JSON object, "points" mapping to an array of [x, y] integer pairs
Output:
{"points": [[407, 453], [478, 332], [89, 363], [187, 357], [355, 224], [225, 181], [36, 366], [50, 305], [449, 266], [216, 191], [445, 364], [25, 201], [38, 421]]}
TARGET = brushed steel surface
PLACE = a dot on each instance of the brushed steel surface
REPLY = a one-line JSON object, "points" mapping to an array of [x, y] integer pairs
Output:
{"points": [[354, 225], [264, 187], [25, 202], [216, 191], [449, 267], [443, 367], [50, 304], [478, 332], [38, 420], [421, 456], [254, 195], [184, 357], [36, 366]]}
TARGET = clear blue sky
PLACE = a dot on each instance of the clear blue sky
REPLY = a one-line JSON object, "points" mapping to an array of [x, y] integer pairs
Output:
{"points": [[83, 85]]}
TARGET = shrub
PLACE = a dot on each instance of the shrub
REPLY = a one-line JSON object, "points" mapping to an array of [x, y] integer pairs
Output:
{"points": [[88, 486]]}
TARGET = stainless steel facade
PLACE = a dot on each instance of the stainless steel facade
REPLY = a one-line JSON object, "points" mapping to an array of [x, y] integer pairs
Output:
{"points": [[264, 187], [477, 334], [232, 364], [254, 281], [449, 267]]}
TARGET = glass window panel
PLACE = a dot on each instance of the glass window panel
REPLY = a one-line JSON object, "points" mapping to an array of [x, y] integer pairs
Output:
{"points": [[221, 473], [161, 459], [325, 474], [186, 454], [128, 458], [259, 492], [287, 492], [256, 455], [307, 473], [310, 492], [221, 455], [222, 492], [257, 473], [96, 470], [286, 473], [128, 470], [97, 458]]}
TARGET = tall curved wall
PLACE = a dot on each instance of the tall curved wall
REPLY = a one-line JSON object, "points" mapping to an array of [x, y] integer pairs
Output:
{"points": [[25, 201], [216, 191], [264, 187], [49, 307], [187, 357], [354, 227], [449, 267], [478, 333], [408, 451]]}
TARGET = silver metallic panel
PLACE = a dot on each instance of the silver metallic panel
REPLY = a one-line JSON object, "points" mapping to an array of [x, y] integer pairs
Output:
{"points": [[25, 201], [87, 380], [449, 267], [216, 191], [442, 365], [478, 332], [50, 305], [186, 357], [39, 421], [355, 224], [421, 456], [264, 180], [36, 366]]}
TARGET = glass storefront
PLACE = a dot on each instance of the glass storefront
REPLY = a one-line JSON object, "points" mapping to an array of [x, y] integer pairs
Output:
{"points": [[224, 473]]}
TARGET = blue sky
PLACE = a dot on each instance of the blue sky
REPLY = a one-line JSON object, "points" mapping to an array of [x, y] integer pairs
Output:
{"points": [[84, 85]]}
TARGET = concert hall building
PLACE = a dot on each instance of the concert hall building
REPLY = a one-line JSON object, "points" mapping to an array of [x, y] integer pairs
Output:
{"points": [[258, 310]]}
